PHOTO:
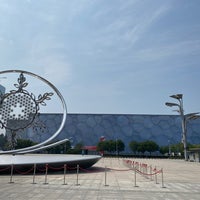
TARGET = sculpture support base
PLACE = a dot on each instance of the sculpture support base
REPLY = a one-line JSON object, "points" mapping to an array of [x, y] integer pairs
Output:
{"points": [[54, 161]]}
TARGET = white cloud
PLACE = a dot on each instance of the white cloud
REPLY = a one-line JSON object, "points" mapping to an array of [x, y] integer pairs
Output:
{"points": [[165, 51], [142, 23]]}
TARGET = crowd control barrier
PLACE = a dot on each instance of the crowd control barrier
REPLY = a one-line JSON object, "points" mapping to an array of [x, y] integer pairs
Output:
{"points": [[143, 169]]}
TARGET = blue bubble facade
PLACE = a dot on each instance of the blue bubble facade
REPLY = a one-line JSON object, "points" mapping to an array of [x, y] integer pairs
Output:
{"points": [[88, 128]]}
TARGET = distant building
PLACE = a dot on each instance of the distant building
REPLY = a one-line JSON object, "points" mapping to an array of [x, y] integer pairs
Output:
{"points": [[194, 155], [2, 91], [89, 150], [89, 128]]}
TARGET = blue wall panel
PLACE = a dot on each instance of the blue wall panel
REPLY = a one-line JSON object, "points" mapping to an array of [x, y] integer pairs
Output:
{"points": [[88, 128]]}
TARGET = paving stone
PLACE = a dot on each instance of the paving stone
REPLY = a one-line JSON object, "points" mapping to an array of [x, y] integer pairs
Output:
{"points": [[181, 180]]}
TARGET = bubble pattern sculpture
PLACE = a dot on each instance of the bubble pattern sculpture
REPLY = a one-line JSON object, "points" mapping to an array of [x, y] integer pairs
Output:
{"points": [[19, 109]]}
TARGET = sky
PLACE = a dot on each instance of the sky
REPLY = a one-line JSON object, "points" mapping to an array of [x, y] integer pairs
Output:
{"points": [[107, 56]]}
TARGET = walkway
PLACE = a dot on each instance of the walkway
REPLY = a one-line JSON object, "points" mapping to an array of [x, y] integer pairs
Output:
{"points": [[181, 180]]}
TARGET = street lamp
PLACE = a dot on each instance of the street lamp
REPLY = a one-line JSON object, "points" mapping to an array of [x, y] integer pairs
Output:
{"points": [[116, 146], [169, 148], [184, 119]]}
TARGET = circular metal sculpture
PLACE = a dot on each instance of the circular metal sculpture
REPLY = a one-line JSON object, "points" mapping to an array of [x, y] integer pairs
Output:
{"points": [[19, 109]]}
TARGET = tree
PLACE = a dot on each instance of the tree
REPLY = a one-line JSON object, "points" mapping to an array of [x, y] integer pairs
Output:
{"points": [[101, 146], [107, 145], [134, 146], [141, 147], [150, 146], [3, 141], [23, 143], [61, 148], [147, 145], [77, 149], [193, 145], [111, 146], [177, 148], [119, 146], [164, 149]]}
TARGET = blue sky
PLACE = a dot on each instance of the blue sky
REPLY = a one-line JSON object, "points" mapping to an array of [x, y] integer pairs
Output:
{"points": [[107, 56]]}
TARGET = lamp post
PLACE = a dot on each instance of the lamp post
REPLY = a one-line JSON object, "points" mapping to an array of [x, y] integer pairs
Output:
{"points": [[116, 146], [184, 119], [169, 148]]}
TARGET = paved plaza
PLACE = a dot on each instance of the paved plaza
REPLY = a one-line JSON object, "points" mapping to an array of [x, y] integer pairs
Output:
{"points": [[110, 178]]}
